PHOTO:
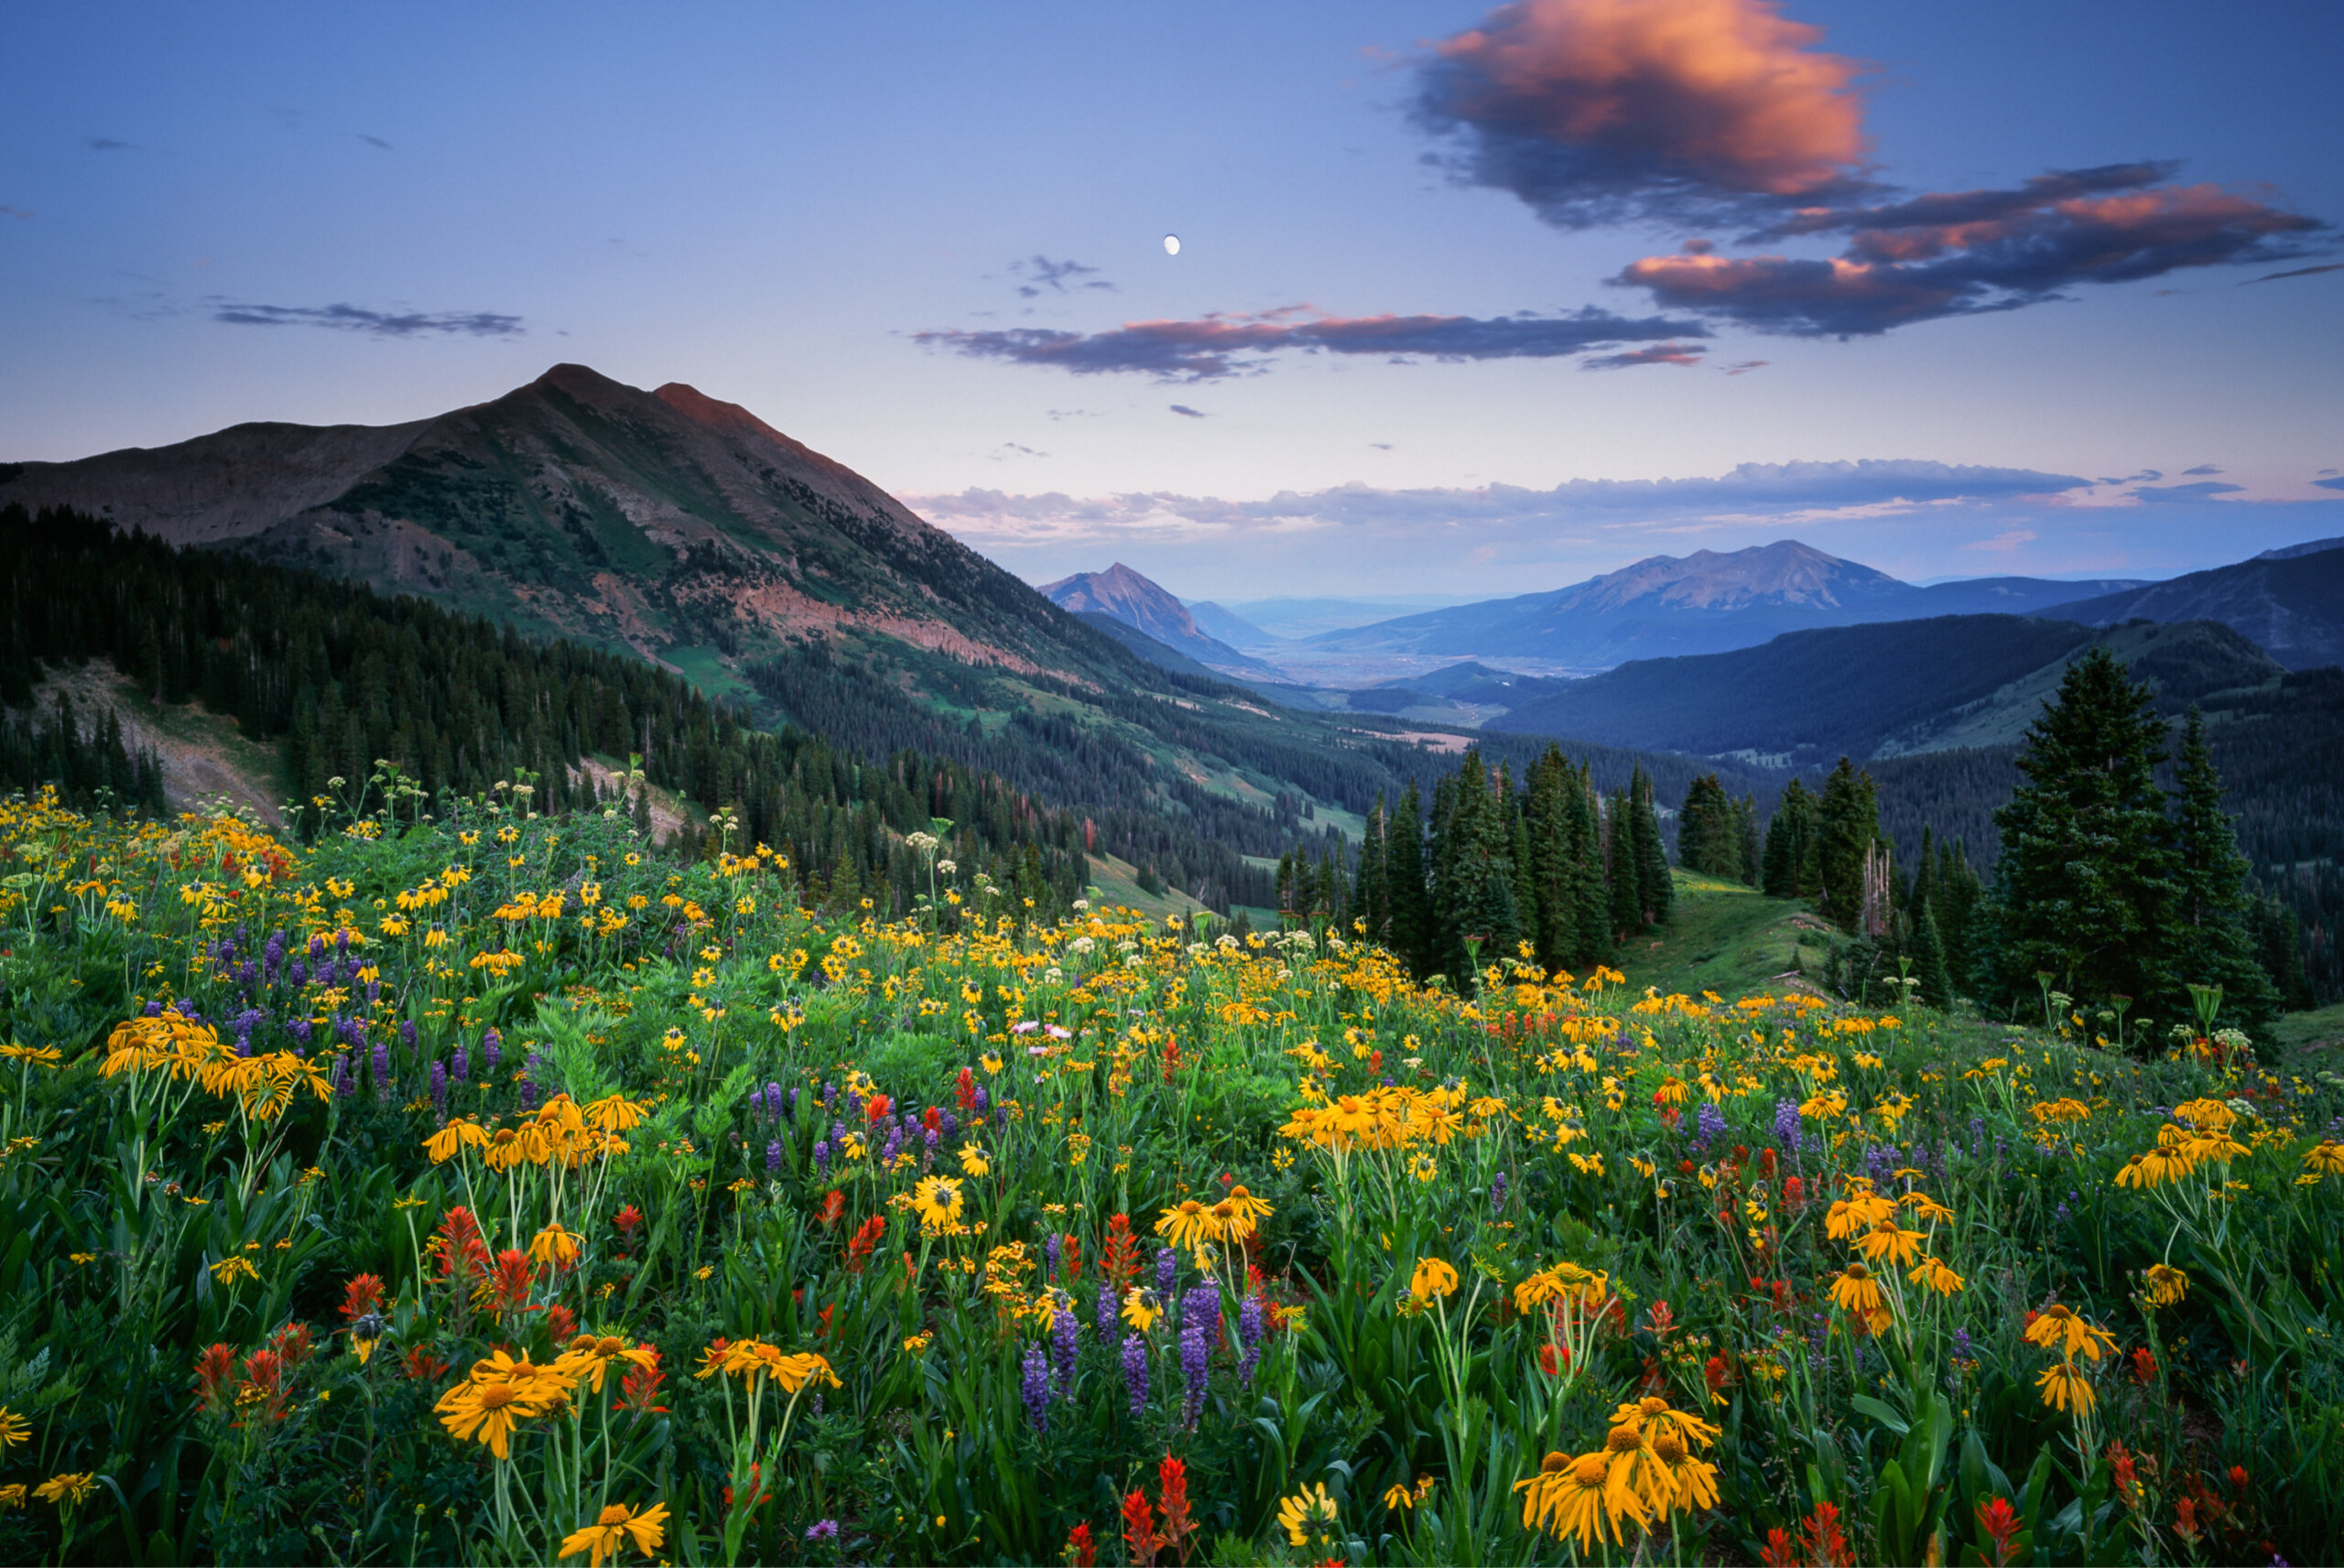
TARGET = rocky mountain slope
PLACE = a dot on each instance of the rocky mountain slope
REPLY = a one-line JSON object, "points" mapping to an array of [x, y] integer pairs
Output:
{"points": [[2291, 601], [1141, 603]]}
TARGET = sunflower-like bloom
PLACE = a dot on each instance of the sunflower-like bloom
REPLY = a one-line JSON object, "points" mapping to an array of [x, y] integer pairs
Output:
{"points": [[1246, 1203], [615, 1113], [1140, 1308], [555, 1247], [2162, 1285], [616, 1526], [1692, 1482], [2206, 1115], [2056, 1328], [1632, 1482], [13, 1428], [489, 1411], [974, 1161], [2065, 1386], [1588, 1285], [1655, 1418], [1858, 1212], [1191, 1224], [1304, 1509], [1924, 1206], [588, 1358], [1858, 1292], [1889, 1242], [1938, 1276], [2326, 1158], [1574, 1496], [70, 1490], [1434, 1277], [459, 1134], [937, 1201]]}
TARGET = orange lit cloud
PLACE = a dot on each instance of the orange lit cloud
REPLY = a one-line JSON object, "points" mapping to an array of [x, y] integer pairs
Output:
{"points": [[1594, 111], [1963, 253], [1218, 345]]}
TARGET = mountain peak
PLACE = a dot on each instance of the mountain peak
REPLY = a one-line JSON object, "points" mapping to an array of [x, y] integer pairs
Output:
{"points": [[1128, 596]]}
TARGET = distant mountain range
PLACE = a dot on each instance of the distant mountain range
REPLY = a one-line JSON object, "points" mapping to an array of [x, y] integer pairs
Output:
{"points": [[1706, 602], [2291, 601], [1125, 596]]}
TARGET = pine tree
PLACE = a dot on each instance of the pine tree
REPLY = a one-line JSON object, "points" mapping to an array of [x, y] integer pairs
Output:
{"points": [[1620, 866], [2214, 944], [2084, 890], [1404, 853], [1655, 891], [1929, 960], [1371, 897], [1790, 835], [1847, 822], [1708, 835], [1745, 836]]}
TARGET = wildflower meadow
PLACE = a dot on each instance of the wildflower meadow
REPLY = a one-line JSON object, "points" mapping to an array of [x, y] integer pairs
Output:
{"points": [[484, 1187]]}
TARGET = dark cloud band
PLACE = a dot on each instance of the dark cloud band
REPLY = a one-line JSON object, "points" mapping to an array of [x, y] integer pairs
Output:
{"points": [[374, 323]]}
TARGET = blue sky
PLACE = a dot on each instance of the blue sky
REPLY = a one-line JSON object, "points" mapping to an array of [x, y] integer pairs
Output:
{"points": [[858, 221]]}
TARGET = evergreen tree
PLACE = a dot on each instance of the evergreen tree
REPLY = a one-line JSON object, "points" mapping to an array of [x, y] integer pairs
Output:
{"points": [[1789, 840], [1411, 911], [1929, 960], [2084, 890], [1655, 892], [1620, 866], [1709, 831], [1592, 892], [1846, 824], [1371, 897], [1746, 834], [2213, 942]]}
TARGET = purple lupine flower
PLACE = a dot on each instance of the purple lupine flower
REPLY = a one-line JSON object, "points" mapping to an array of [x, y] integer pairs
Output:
{"points": [[1253, 1328], [155, 1008], [1065, 1341], [345, 1084], [440, 1089], [982, 1101], [459, 1066], [893, 1147], [1037, 1387], [299, 1029], [1786, 1121], [822, 1157], [1051, 1249], [793, 1105], [298, 974], [1167, 1271], [406, 1033], [1961, 1344], [342, 941], [949, 1122], [382, 1069], [492, 1045], [1107, 1307], [854, 1103], [1135, 1370], [316, 945], [374, 990], [1195, 1348], [1708, 1122], [773, 1158], [527, 1091], [1497, 1193]]}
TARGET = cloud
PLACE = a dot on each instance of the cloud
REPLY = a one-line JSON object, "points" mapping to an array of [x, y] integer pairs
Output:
{"points": [[374, 141], [1606, 111], [108, 145], [2008, 540], [1973, 252], [2204, 489], [1225, 345], [1012, 449], [1381, 446], [2200, 468], [1743, 367], [1771, 489], [1658, 354], [376, 323], [2299, 272], [1191, 413], [1055, 276], [2329, 483]]}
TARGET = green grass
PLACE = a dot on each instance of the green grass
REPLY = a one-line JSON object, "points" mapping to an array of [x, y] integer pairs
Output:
{"points": [[1721, 937], [2319, 1029]]}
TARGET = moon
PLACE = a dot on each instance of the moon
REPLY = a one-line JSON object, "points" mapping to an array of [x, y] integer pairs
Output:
{"points": [[1171, 245]]}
